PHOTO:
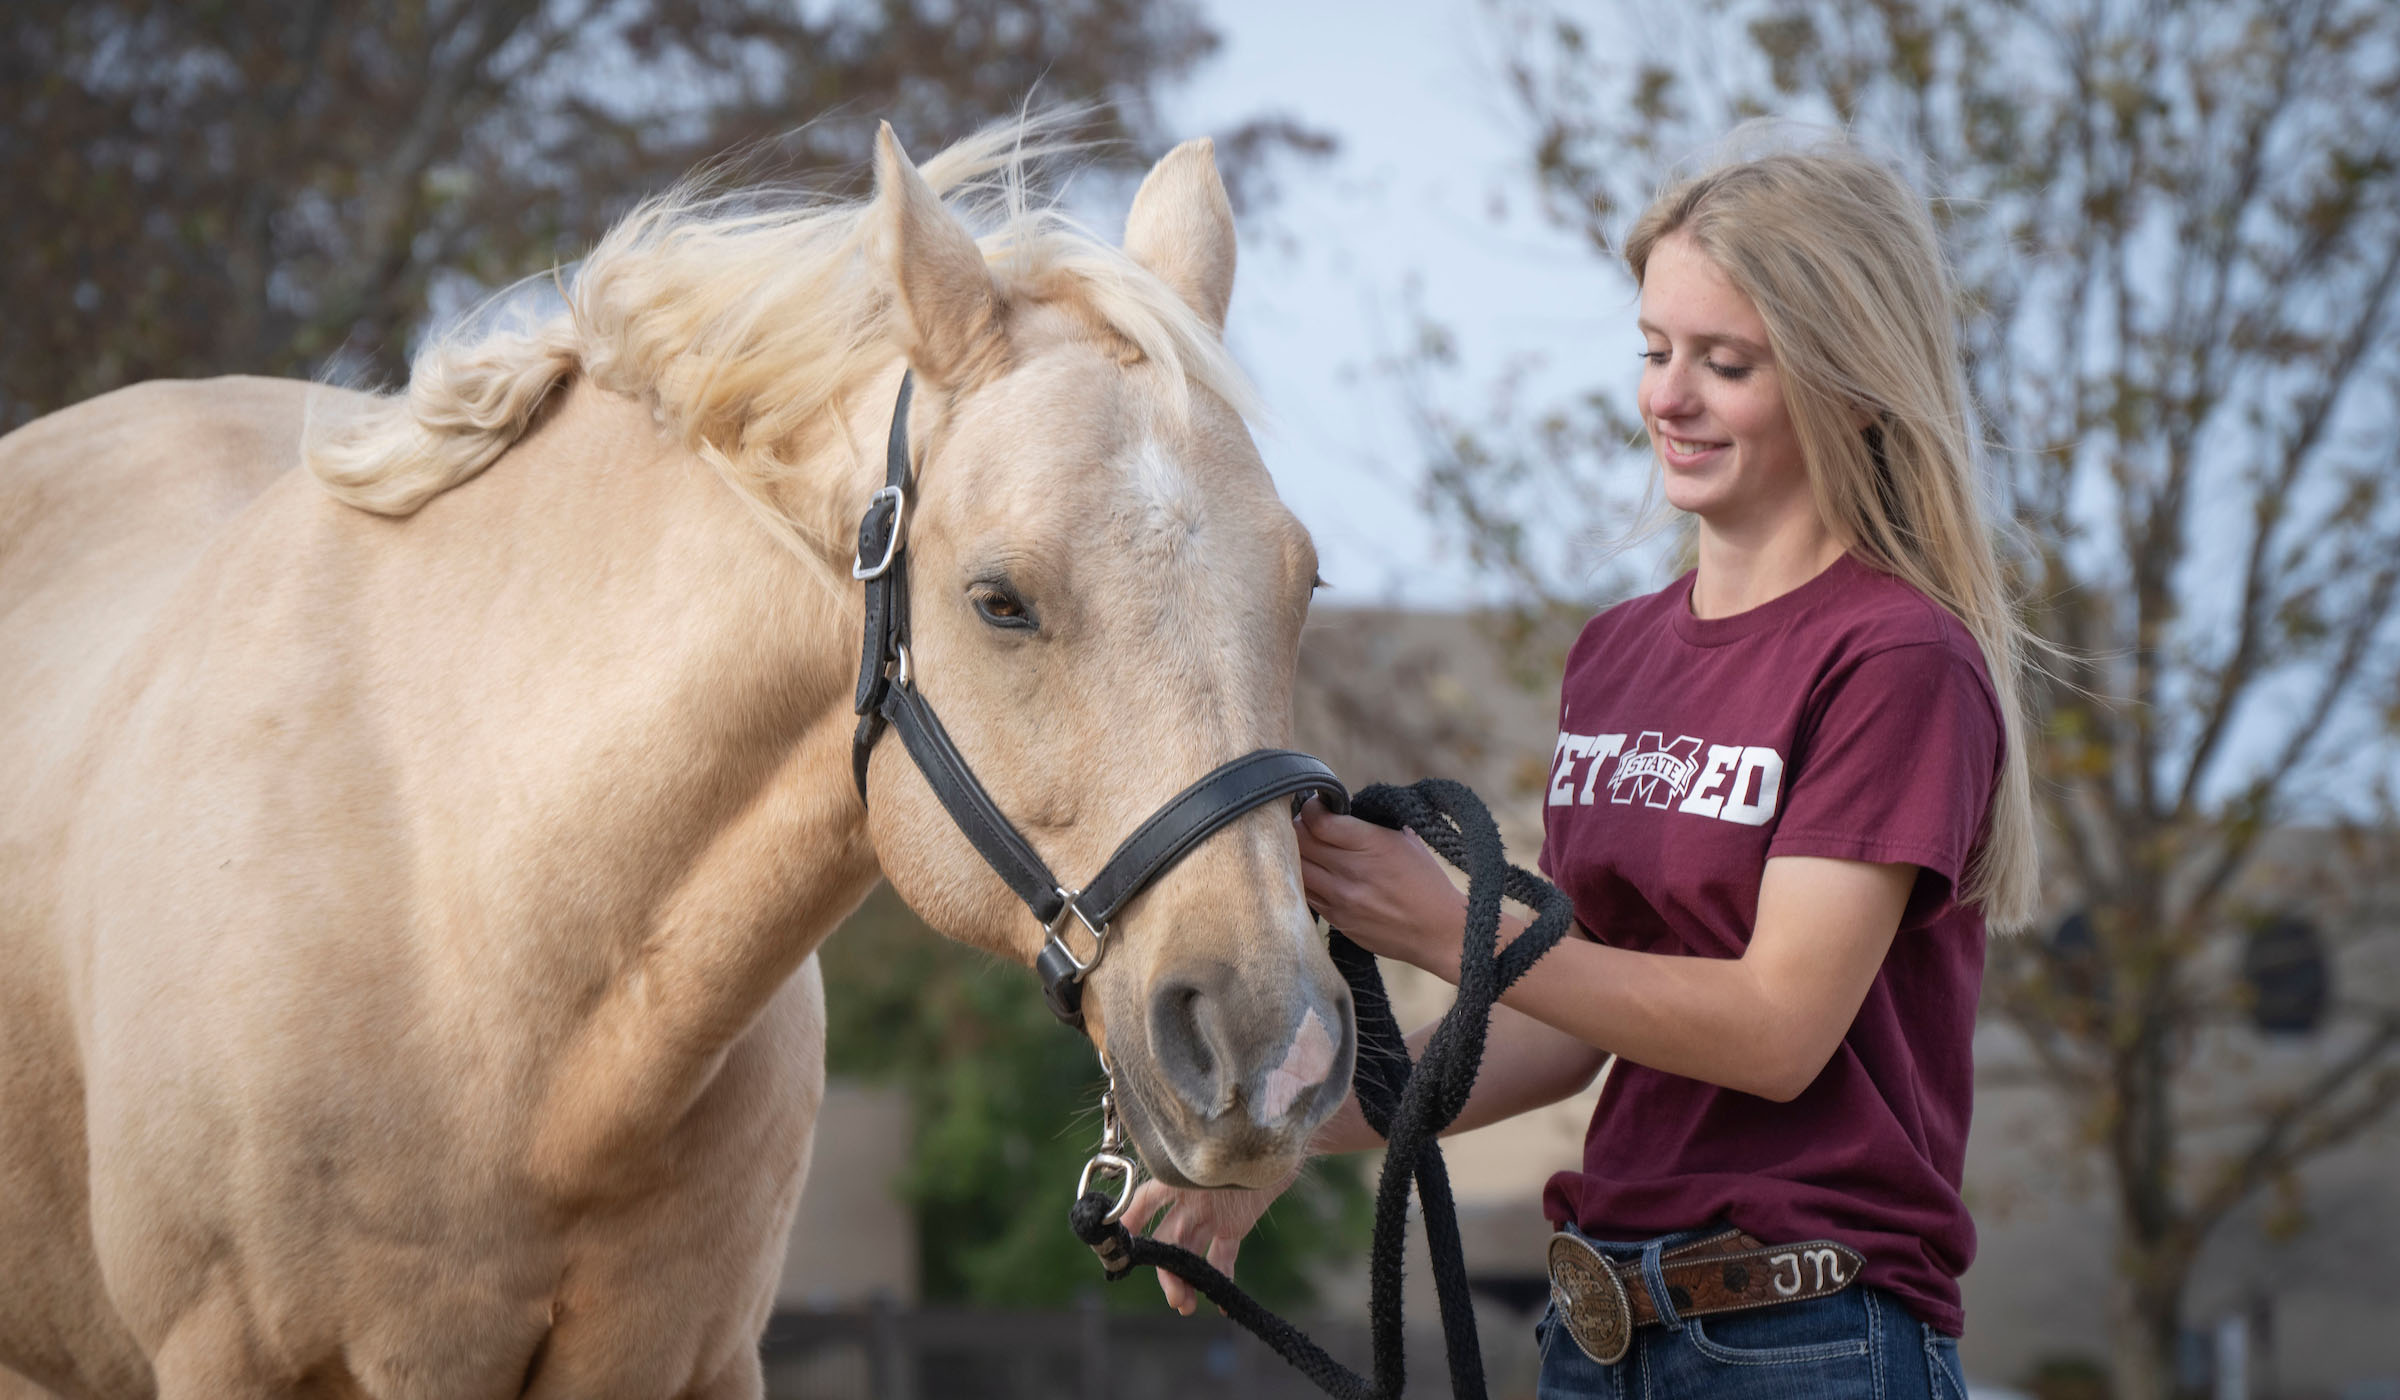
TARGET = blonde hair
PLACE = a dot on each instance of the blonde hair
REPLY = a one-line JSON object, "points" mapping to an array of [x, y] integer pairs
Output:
{"points": [[1840, 257], [743, 318]]}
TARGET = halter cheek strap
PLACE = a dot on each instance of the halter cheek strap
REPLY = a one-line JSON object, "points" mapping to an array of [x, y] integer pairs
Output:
{"points": [[888, 696], [884, 657]]}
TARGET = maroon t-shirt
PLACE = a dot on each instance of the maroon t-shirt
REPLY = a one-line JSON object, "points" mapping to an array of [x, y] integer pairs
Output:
{"points": [[1852, 718]]}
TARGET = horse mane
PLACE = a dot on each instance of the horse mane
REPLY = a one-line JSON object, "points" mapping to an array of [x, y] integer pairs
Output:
{"points": [[742, 316]]}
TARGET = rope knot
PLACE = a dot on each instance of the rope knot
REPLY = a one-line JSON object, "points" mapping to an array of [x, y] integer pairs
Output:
{"points": [[1107, 1238]]}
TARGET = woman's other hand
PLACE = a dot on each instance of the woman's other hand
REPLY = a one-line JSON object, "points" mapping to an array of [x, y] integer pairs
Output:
{"points": [[1385, 889], [1209, 1223]]}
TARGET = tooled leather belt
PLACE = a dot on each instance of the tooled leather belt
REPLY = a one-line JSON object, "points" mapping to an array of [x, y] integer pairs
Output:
{"points": [[1602, 1300]]}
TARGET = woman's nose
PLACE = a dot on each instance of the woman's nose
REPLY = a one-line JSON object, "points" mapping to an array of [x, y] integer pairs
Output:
{"points": [[1671, 393]]}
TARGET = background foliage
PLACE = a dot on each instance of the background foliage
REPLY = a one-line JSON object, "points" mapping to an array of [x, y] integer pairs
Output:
{"points": [[1006, 1105]]}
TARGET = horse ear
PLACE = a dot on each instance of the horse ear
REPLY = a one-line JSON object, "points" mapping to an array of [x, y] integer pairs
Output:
{"points": [[949, 309], [1181, 228]]}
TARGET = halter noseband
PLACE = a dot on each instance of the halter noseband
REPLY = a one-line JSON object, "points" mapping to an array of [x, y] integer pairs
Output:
{"points": [[887, 694]]}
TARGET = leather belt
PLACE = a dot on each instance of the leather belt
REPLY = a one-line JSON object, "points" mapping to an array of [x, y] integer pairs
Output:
{"points": [[1602, 1299]]}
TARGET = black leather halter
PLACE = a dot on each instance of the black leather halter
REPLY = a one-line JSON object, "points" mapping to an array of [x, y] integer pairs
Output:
{"points": [[887, 694]]}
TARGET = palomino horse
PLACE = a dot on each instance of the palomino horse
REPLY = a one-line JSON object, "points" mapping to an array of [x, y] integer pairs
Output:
{"points": [[410, 866]]}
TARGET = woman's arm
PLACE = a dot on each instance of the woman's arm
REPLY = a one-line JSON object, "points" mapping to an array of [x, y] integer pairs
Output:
{"points": [[1526, 1065], [1764, 1023]]}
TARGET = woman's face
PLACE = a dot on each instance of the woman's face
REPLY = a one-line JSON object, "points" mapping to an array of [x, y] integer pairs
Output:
{"points": [[1712, 398]]}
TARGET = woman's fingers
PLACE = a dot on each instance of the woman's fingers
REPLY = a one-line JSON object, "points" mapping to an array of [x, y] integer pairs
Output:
{"points": [[1148, 1199], [1178, 1230], [1208, 1223], [1221, 1253], [1324, 824]]}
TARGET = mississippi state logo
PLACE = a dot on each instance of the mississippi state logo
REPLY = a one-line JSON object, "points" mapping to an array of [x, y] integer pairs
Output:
{"points": [[1738, 783], [1654, 772]]}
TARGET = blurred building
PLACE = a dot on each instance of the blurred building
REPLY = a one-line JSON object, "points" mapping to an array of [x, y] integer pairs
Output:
{"points": [[854, 1242]]}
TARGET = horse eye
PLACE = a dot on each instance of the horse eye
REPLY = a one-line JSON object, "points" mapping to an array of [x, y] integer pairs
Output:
{"points": [[1316, 581], [1002, 608]]}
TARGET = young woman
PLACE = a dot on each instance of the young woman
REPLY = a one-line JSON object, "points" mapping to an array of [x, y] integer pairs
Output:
{"points": [[1788, 797]]}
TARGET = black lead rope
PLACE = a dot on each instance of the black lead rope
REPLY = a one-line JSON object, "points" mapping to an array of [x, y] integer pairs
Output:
{"points": [[1408, 1104]]}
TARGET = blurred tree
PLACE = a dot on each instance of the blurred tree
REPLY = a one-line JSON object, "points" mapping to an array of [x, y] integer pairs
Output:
{"points": [[2177, 231], [1007, 1111], [279, 186]]}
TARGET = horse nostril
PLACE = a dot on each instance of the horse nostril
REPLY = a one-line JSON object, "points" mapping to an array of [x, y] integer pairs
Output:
{"points": [[1184, 1041]]}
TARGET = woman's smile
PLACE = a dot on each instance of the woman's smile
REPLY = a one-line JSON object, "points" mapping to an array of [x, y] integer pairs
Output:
{"points": [[1682, 454]]}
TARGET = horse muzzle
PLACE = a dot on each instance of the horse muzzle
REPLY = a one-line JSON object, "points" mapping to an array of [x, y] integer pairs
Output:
{"points": [[1227, 1075]]}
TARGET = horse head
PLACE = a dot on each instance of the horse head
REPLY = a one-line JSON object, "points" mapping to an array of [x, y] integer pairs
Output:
{"points": [[1105, 600]]}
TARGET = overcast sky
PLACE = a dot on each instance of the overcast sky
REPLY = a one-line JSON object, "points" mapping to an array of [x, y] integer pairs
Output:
{"points": [[1430, 154]]}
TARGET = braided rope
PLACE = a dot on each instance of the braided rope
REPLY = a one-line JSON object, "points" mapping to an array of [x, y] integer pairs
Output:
{"points": [[1408, 1104]]}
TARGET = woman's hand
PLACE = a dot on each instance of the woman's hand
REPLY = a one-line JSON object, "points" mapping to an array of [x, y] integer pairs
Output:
{"points": [[1208, 1223], [1385, 889]]}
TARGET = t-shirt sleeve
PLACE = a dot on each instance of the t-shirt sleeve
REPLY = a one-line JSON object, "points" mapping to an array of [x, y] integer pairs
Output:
{"points": [[1898, 764]]}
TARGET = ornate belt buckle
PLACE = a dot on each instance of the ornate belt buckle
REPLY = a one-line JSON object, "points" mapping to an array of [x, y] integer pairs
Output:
{"points": [[1591, 1299]]}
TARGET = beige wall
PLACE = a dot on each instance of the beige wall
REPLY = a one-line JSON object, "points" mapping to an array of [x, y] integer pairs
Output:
{"points": [[2041, 1280], [853, 1240]]}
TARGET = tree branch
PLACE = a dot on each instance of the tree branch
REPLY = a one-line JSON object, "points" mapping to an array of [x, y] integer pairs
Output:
{"points": [[2268, 510], [2302, 1128], [2261, 803], [392, 198]]}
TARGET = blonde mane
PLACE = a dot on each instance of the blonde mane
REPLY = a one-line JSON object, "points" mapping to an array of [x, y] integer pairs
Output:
{"points": [[743, 317]]}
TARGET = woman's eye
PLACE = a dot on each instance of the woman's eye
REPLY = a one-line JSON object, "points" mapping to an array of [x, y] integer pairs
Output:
{"points": [[1003, 609], [1655, 357], [1729, 371]]}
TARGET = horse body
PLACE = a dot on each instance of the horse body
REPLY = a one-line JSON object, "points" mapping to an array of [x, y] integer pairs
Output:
{"points": [[408, 917], [463, 833]]}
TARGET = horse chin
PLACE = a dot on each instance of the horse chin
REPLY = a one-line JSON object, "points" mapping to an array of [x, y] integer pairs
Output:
{"points": [[1251, 1159]]}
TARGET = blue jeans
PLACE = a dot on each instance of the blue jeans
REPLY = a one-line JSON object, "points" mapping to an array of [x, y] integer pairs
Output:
{"points": [[1858, 1344]]}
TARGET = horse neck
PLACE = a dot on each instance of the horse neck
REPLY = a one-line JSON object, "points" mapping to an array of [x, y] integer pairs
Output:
{"points": [[625, 710]]}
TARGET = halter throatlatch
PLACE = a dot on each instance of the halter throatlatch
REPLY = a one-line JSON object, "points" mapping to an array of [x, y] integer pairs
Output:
{"points": [[888, 695]]}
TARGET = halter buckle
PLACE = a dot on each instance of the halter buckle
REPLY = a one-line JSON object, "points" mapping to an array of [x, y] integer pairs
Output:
{"points": [[897, 500], [1099, 933]]}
